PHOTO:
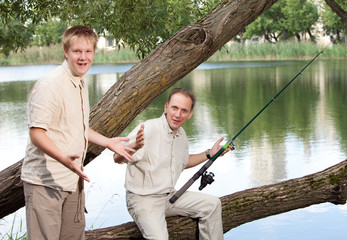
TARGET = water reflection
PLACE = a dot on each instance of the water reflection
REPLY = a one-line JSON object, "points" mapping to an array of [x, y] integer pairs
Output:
{"points": [[302, 132]]}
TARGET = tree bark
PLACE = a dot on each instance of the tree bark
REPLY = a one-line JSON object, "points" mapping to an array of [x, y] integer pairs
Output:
{"points": [[329, 185], [11, 189], [138, 87]]}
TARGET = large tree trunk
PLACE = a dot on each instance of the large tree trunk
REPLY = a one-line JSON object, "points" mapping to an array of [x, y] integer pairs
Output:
{"points": [[138, 87], [329, 185]]}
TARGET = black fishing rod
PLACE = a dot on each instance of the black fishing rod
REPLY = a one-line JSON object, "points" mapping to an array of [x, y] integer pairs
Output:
{"points": [[207, 178]]}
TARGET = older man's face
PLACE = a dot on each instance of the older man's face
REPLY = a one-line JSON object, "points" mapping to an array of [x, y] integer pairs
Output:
{"points": [[178, 110]]}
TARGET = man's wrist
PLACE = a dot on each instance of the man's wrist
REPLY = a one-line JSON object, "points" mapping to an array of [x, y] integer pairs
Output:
{"points": [[207, 152]]}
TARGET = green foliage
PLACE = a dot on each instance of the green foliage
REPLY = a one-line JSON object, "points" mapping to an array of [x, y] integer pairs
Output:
{"points": [[140, 24], [54, 55], [19, 19], [332, 23], [285, 18], [143, 24], [14, 35], [270, 24], [49, 33], [234, 52], [300, 16], [122, 55], [278, 51]]}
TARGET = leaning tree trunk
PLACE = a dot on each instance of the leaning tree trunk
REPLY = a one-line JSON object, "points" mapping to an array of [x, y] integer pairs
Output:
{"points": [[329, 185], [138, 87], [168, 64]]}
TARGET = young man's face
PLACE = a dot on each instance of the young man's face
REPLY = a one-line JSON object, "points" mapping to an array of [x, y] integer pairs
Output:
{"points": [[178, 110], [80, 56]]}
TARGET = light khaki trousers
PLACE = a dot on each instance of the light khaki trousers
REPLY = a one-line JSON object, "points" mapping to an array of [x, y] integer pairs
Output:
{"points": [[53, 214], [149, 213]]}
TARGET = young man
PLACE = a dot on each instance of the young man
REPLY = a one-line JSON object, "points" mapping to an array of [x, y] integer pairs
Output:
{"points": [[162, 154], [59, 133]]}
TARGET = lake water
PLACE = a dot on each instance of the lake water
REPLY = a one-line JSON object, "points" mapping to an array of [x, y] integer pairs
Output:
{"points": [[302, 132]]}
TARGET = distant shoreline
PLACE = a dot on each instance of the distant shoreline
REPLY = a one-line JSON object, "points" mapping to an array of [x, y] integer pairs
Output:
{"points": [[233, 52]]}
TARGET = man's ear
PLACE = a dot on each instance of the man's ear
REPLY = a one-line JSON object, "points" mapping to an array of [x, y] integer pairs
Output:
{"points": [[65, 53], [190, 114], [165, 107]]}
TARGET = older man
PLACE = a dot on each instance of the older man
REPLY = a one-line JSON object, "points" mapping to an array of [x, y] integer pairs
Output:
{"points": [[162, 154]]}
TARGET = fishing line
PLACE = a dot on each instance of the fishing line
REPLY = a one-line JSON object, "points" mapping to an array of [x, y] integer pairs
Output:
{"points": [[207, 178]]}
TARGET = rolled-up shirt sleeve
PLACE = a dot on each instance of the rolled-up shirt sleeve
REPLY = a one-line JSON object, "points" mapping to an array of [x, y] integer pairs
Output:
{"points": [[42, 107]]}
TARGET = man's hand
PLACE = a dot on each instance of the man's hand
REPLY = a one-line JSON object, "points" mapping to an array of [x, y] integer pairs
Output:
{"points": [[115, 144], [73, 166], [139, 143], [217, 146], [140, 138], [41, 140]]}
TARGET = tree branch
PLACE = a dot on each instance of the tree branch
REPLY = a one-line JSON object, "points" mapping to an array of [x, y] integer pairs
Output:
{"points": [[337, 9], [238, 208]]}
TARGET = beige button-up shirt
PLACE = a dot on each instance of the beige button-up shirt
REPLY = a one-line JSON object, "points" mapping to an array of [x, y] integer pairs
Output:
{"points": [[59, 104], [157, 166]]}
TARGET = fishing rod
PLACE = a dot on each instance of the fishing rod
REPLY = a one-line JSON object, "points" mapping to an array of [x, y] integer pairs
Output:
{"points": [[207, 178]]}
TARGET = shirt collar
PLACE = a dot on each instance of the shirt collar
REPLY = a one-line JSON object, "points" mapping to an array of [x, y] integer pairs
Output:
{"points": [[167, 127], [76, 81]]}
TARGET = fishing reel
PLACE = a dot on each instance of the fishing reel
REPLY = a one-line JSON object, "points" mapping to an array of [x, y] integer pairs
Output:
{"points": [[206, 178]]}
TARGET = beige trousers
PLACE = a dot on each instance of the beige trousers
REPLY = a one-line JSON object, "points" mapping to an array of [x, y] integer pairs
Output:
{"points": [[53, 214], [149, 213]]}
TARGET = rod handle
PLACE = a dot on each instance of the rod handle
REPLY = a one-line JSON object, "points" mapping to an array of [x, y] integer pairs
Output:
{"points": [[188, 184], [197, 174]]}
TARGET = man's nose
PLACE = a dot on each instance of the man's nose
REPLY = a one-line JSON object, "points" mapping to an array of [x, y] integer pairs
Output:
{"points": [[82, 56], [178, 113]]}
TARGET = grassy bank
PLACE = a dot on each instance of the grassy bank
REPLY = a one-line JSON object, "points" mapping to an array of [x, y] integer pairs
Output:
{"points": [[279, 51], [55, 55], [232, 52]]}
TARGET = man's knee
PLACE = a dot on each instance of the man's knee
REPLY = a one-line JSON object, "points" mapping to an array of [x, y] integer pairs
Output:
{"points": [[215, 203]]}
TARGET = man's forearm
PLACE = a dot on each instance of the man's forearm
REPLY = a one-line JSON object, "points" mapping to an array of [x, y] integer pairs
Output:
{"points": [[97, 138], [40, 139], [196, 159]]}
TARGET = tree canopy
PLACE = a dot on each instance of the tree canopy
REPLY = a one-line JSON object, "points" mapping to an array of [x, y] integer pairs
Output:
{"points": [[14, 35], [144, 24], [141, 24], [333, 23], [282, 20], [49, 33], [288, 18]]}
